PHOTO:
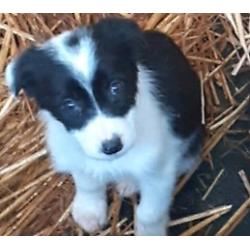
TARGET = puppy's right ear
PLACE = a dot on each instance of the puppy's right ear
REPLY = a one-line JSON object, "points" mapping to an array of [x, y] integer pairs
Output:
{"points": [[20, 73]]}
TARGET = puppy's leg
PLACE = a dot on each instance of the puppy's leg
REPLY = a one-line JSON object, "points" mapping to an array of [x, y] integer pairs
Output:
{"points": [[89, 206], [152, 213]]}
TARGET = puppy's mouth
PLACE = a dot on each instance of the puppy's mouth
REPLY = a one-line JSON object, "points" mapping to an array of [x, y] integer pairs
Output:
{"points": [[116, 155], [111, 157]]}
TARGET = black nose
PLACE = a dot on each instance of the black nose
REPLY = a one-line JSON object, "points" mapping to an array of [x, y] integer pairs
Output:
{"points": [[112, 146]]}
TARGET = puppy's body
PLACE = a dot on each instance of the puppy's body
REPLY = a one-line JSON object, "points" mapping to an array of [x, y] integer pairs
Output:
{"points": [[120, 106]]}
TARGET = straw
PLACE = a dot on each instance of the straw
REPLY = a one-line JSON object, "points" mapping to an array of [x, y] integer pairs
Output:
{"points": [[36, 201]]}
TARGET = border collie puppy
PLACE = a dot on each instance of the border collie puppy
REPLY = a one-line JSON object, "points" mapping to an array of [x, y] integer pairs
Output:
{"points": [[121, 106]]}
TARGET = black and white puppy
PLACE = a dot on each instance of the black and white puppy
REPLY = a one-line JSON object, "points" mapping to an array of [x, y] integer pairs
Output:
{"points": [[121, 106]]}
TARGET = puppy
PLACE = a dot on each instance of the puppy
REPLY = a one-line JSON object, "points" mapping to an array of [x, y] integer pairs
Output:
{"points": [[122, 106]]}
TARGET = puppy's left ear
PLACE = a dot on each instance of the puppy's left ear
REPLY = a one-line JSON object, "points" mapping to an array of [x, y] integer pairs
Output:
{"points": [[21, 73]]}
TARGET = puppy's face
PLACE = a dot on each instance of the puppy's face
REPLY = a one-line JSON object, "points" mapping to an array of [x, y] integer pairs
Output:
{"points": [[87, 80]]}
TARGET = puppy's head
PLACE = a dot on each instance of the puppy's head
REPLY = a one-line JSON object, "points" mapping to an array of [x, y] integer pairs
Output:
{"points": [[87, 80]]}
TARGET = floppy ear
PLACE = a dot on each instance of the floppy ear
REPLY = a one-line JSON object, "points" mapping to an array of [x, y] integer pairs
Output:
{"points": [[119, 33], [21, 72]]}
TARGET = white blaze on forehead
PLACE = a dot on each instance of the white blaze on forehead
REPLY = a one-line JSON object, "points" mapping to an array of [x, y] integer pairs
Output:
{"points": [[79, 58]]}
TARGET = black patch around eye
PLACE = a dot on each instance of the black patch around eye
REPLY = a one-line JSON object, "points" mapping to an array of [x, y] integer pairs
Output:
{"points": [[72, 107], [116, 86], [115, 98], [116, 61], [50, 82], [76, 108], [62, 95]]}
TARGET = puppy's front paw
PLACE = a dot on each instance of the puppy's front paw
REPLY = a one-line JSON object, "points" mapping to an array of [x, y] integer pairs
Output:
{"points": [[89, 222], [149, 223], [150, 229], [126, 188], [90, 218]]}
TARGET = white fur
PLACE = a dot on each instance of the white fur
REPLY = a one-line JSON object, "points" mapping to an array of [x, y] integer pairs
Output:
{"points": [[9, 77], [151, 161], [102, 128], [89, 205], [80, 59]]}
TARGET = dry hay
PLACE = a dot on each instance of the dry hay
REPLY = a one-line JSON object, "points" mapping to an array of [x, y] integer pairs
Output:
{"points": [[36, 201]]}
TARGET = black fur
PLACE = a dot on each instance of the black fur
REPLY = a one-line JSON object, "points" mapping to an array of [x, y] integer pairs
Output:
{"points": [[118, 37], [117, 41], [53, 87], [177, 85]]}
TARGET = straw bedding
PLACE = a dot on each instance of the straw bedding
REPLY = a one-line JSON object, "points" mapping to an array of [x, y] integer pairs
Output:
{"points": [[36, 201]]}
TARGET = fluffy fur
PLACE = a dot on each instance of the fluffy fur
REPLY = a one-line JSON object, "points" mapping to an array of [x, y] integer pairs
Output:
{"points": [[107, 81]]}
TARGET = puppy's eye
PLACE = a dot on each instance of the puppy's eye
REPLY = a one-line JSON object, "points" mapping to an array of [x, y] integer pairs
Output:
{"points": [[71, 105], [115, 87]]}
